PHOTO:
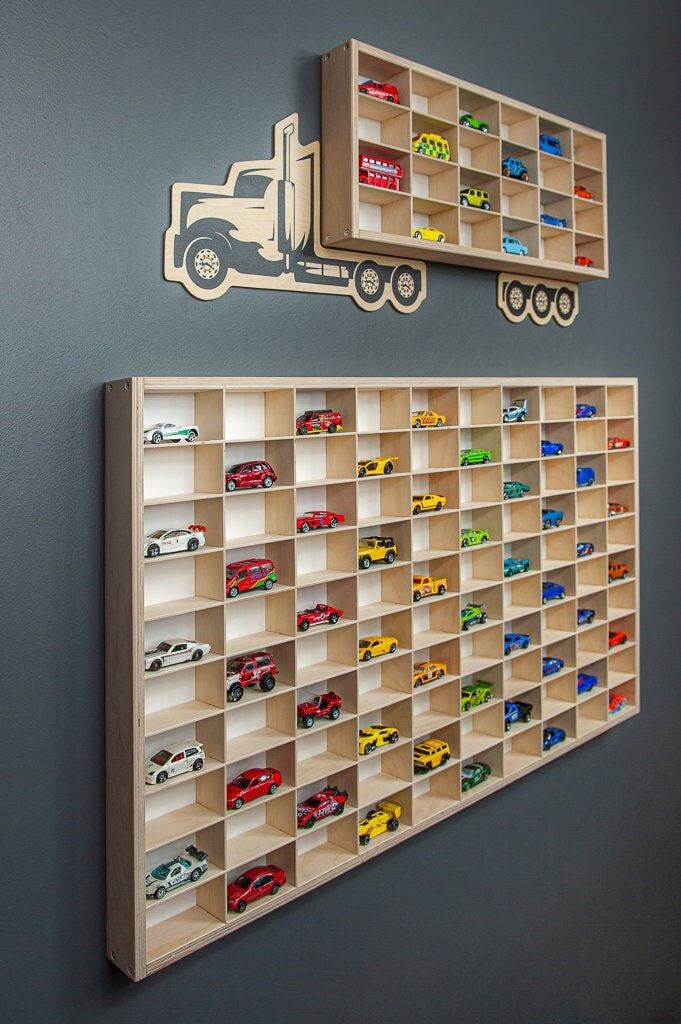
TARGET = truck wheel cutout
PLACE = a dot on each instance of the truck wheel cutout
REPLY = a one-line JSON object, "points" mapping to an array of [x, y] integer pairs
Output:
{"points": [[542, 301]]}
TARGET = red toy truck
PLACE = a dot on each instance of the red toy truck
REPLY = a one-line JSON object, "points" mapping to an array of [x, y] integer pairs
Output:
{"points": [[318, 421], [250, 474], [380, 91], [257, 669], [383, 173], [251, 574], [325, 705]]}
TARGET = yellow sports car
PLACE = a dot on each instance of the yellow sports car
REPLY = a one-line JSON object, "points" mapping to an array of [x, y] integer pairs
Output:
{"points": [[427, 671], [427, 503], [427, 418], [376, 467], [374, 646], [429, 234], [373, 736], [385, 818]]}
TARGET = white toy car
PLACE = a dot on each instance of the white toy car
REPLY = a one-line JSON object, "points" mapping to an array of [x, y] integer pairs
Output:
{"points": [[173, 652], [175, 759], [159, 432], [169, 542], [187, 867]]}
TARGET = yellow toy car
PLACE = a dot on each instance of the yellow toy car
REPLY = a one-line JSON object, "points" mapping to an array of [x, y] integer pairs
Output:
{"points": [[431, 144], [427, 503], [386, 818], [427, 418], [376, 549], [429, 234], [428, 586], [374, 646], [373, 736], [376, 467], [429, 754], [427, 671]]}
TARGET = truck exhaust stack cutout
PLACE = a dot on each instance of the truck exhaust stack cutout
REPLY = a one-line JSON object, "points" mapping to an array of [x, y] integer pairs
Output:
{"points": [[261, 229]]}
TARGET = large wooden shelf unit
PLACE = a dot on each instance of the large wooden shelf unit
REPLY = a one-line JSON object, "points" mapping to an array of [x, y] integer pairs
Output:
{"points": [[150, 487]]}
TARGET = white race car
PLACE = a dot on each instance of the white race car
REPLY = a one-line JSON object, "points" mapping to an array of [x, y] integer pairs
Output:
{"points": [[168, 542], [187, 867], [174, 759], [159, 432], [173, 652]]}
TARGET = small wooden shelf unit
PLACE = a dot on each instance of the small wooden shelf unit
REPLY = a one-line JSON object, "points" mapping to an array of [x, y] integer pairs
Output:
{"points": [[374, 219], [149, 487]]}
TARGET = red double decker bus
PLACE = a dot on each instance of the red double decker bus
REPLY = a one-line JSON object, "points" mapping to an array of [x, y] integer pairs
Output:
{"points": [[375, 171]]}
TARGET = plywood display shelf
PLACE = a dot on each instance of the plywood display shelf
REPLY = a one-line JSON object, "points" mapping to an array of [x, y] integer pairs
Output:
{"points": [[380, 220], [183, 597]]}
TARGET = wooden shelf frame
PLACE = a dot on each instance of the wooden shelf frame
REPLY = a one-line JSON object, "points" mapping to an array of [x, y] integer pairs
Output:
{"points": [[373, 219], [149, 824]]}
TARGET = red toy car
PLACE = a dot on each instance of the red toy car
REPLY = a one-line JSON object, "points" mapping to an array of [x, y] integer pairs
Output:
{"points": [[318, 421], [324, 705], [251, 574], [257, 669], [380, 91], [252, 783], [314, 616], [322, 519], [582, 193], [616, 637], [618, 442], [263, 880], [615, 508], [327, 801], [617, 702], [249, 474], [583, 261], [376, 171]]}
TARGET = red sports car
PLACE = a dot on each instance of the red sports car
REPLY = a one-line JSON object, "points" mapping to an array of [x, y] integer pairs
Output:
{"points": [[583, 261], [618, 442], [325, 705], [252, 783], [617, 702], [327, 801], [321, 613], [616, 637], [583, 193], [615, 508], [321, 519], [263, 880], [380, 91]]}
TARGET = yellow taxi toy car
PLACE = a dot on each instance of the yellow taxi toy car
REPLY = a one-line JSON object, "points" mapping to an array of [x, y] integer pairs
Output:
{"points": [[428, 586], [385, 818], [431, 144], [427, 671], [429, 234], [429, 754], [373, 736], [427, 503], [427, 418], [376, 549], [376, 467], [374, 646]]}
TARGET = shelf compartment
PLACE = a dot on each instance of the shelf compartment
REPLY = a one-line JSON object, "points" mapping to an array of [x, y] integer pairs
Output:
{"points": [[519, 125], [384, 683], [381, 409], [321, 656], [436, 535], [522, 749], [253, 728], [203, 408], [324, 459], [326, 752], [258, 414], [493, 756], [260, 622], [259, 517], [259, 827], [189, 926]]}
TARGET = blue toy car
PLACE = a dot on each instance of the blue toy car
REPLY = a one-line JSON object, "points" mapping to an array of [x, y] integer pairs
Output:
{"points": [[584, 411], [549, 666], [514, 246], [512, 167], [554, 222], [550, 144], [586, 476], [585, 616], [552, 448], [516, 711], [551, 518], [552, 735], [552, 591], [586, 683], [584, 548], [516, 642]]}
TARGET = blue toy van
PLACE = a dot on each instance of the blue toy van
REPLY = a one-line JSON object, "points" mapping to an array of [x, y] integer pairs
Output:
{"points": [[550, 144], [585, 476]]}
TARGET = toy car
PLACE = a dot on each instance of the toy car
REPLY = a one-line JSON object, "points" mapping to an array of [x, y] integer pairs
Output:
{"points": [[246, 670], [249, 574], [427, 418], [173, 759], [514, 246], [583, 261], [427, 503], [169, 542], [431, 144], [428, 586], [323, 705], [426, 671], [585, 616], [551, 518], [470, 537], [430, 754], [429, 234], [552, 735], [375, 646], [617, 637], [385, 818], [376, 549], [472, 615], [376, 467], [319, 421], [618, 442], [380, 172], [379, 91], [249, 474], [550, 144], [617, 702], [516, 711], [474, 456], [263, 880], [319, 520], [475, 694], [584, 548], [554, 222], [251, 784], [516, 412], [583, 193], [373, 736], [552, 448], [173, 652], [515, 489], [516, 642], [552, 592], [512, 167], [586, 682], [468, 121], [617, 571], [330, 800], [512, 566], [187, 867], [584, 411], [473, 774], [321, 613], [474, 197], [549, 666], [615, 508], [159, 432]]}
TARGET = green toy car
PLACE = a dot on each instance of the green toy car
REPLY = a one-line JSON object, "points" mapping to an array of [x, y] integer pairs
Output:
{"points": [[512, 566], [515, 489], [468, 121], [474, 197], [475, 694], [472, 536], [472, 615], [473, 774], [474, 456]]}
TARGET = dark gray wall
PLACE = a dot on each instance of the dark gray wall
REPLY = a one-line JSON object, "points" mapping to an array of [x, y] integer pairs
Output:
{"points": [[554, 901]]}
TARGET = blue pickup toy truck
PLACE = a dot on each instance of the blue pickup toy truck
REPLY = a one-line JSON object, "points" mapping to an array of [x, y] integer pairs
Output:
{"points": [[551, 518], [516, 711], [512, 167], [586, 476], [552, 591]]}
